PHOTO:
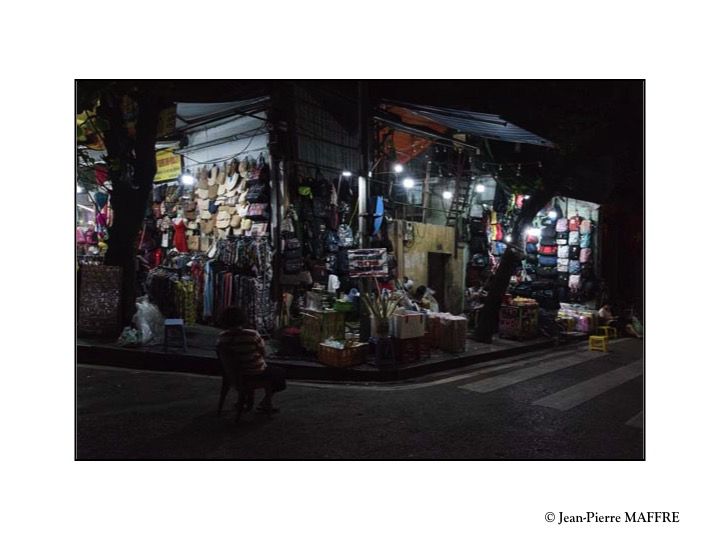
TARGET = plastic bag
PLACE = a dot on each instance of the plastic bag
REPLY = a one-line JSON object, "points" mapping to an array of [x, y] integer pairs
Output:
{"points": [[149, 322], [128, 337]]}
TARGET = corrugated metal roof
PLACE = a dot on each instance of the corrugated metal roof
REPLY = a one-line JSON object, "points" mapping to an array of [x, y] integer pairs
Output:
{"points": [[489, 126]]}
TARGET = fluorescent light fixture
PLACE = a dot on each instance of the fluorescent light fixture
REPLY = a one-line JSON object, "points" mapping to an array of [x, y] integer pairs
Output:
{"points": [[187, 179], [447, 195], [408, 183], [398, 168], [508, 238], [347, 174], [552, 214], [526, 197], [480, 188]]}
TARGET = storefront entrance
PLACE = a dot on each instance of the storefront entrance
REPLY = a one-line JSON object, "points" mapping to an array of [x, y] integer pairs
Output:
{"points": [[437, 263]]}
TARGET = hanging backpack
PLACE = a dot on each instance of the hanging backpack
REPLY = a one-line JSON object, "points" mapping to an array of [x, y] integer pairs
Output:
{"points": [[257, 193], [574, 253], [574, 223], [563, 265], [548, 231], [499, 248], [574, 238], [574, 267], [585, 254], [480, 260], [531, 259], [531, 248], [547, 241], [574, 283], [563, 252], [531, 239], [561, 225], [562, 279], [585, 240], [548, 250], [259, 212], [586, 226], [331, 241], [345, 236]]}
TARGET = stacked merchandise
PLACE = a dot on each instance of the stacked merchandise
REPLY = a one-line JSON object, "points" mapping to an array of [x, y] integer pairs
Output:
{"points": [[519, 319], [579, 252], [447, 331], [543, 288]]}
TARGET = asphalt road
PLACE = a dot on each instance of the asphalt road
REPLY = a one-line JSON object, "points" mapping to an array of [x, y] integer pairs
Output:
{"points": [[561, 404]]}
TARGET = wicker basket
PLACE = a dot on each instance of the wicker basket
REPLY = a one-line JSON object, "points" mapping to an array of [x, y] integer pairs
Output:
{"points": [[350, 356], [99, 300]]}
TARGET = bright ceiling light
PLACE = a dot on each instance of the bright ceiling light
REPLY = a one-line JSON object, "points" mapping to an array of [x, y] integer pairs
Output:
{"points": [[347, 174], [187, 179], [480, 188], [532, 232], [398, 168], [408, 183], [508, 238], [79, 189], [526, 197], [552, 214], [447, 194]]}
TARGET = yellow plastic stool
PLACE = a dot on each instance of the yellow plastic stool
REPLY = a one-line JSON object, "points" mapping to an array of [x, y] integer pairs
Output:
{"points": [[608, 331], [598, 343]]}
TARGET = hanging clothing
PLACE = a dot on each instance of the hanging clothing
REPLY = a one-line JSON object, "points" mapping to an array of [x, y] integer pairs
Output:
{"points": [[179, 239]]}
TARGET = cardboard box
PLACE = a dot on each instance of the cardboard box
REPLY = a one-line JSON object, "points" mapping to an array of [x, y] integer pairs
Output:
{"points": [[454, 333], [407, 325]]}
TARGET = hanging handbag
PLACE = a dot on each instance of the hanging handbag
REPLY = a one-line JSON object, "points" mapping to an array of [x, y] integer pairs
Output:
{"points": [[563, 252], [561, 225], [574, 282], [563, 265], [574, 223], [345, 236], [585, 240], [585, 254], [258, 212], [531, 248], [574, 267], [531, 239], [547, 261], [574, 238], [548, 250], [257, 193], [547, 241]]}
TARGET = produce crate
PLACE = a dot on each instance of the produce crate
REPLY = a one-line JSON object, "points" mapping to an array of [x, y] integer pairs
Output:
{"points": [[347, 357]]}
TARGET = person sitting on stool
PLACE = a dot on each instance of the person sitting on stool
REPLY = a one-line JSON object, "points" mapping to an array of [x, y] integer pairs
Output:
{"points": [[243, 346]]}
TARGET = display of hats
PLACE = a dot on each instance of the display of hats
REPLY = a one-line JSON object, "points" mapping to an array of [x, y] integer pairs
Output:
{"points": [[204, 204], [223, 220], [233, 176], [221, 189], [235, 222], [193, 224], [213, 191], [213, 178], [202, 193], [244, 168], [205, 214], [203, 179]]}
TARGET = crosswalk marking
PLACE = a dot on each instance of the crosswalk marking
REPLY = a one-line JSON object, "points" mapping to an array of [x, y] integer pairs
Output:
{"points": [[586, 390], [636, 421], [520, 375]]}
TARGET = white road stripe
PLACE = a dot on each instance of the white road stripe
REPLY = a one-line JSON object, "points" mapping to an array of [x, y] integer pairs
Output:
{"points": [[636, 421], [586, 390], [501, 381]]}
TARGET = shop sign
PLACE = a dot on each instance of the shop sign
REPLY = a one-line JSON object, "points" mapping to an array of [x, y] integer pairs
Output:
{"points": [[169, 165], [368, 262]]}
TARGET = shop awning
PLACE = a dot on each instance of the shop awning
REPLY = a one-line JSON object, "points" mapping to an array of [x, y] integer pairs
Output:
{"points": [[189, 114], [488, 126]]}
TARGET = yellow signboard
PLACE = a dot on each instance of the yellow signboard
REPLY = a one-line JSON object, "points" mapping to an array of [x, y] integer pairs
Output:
{"points": [[169, 165]]}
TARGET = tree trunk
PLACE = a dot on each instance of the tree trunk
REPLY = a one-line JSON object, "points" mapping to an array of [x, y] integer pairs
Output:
{"points": [[489, 315], [130, 194]]}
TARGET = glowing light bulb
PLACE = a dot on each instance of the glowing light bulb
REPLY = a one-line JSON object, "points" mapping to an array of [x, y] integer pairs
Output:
{"points": [[187, 179], [78, 189], [408, 183], [398, 168], [447, 195], [508, 238], [347, 174], [552, 214], [480, 188]]}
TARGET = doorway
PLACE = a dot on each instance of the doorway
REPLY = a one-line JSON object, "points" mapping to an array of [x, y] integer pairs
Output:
{"points": [[437, 264]]}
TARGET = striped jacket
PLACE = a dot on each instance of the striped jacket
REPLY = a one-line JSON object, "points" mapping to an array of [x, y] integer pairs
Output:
{"points": [[244, 348]]}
